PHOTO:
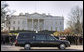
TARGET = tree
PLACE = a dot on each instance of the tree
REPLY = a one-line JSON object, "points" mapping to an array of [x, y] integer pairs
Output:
{"points": [[4, 15], [56, 33], [75, 20], [68, 31], [3, 11], [4, 5]]}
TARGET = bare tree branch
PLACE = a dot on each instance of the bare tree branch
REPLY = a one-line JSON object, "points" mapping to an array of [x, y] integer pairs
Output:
{"points": [[74, 21]]}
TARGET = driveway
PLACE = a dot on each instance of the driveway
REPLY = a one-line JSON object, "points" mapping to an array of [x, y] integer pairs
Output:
{"points": [[15, 48]]}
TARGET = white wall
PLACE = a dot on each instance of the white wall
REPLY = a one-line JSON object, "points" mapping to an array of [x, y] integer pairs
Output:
{"points": [[48, 22]]}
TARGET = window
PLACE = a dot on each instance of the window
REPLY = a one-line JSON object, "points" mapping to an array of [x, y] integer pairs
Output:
{"points": [[23, 22], [9, 28], [25, 36], [13, 28], [23, 29], [60, 28], [56, 22], [50, 37], [18, 28], [18, 22], [40, 28], [40, 37], [51, 28], [9, 22], [56, 28], [13, 22], [60, 23]]}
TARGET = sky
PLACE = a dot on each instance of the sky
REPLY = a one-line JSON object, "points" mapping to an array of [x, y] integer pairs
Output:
{"points": [[54, 8]]}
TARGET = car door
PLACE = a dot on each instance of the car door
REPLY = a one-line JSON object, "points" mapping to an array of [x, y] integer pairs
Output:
{"points": [[51, 41], [39, 40]]}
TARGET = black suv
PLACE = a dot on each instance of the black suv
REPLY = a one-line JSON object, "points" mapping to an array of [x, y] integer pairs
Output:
{"points": [[28, 40]]}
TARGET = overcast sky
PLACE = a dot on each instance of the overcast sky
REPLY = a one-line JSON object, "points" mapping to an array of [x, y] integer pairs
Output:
{"points": [[55, 8]]}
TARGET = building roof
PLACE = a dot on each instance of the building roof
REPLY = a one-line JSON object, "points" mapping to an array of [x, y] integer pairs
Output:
{"points": [[34, 15]]}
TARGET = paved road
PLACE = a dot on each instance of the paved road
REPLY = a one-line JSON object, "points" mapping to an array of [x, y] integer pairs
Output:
{"points": [[14, 48], [51, 50]]}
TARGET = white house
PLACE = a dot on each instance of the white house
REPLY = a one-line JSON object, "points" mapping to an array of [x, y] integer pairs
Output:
{"points": [[37, 22]]}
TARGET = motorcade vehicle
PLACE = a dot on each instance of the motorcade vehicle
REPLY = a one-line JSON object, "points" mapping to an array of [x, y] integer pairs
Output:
{"points": [[28, 40]]}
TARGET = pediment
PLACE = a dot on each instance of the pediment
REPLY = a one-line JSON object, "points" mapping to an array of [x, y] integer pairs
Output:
{"points": [[36, 15]]}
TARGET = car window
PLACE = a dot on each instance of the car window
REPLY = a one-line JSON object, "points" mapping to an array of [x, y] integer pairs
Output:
{"points": [[50, 37], [25, 36], [56, 37], [40, 37]]}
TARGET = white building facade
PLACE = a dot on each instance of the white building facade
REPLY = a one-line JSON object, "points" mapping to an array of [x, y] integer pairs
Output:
{"points": [[36, 22]]}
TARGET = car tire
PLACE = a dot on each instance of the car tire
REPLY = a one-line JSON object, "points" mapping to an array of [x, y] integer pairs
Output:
{"points": [[27, 46], [62, 46]]}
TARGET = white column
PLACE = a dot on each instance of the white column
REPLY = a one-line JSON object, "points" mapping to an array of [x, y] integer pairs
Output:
{"points": [[27, 24], [44, 24], [32, 24], [38, 24]]}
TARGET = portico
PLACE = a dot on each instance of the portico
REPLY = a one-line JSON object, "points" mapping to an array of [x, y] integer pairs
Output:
{"points": [[35, 24]]}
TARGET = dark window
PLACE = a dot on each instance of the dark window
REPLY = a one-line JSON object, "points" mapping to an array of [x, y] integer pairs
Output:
{"points": [[13, 28], [9, 28], [9, 22], [56, 37], [25, 36], [13, 22], [40, 37], [18, 28], [60, 23], [50, 37], [51, 28]]}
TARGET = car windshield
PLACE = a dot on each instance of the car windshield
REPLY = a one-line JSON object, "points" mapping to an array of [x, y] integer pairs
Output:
{"points": [[54, 37]]}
